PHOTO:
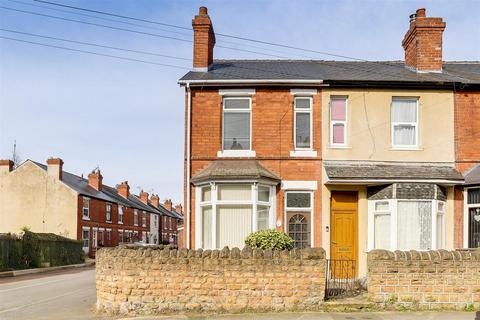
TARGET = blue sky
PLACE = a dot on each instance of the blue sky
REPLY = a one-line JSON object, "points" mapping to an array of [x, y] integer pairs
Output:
{"points": [[127, 117]]}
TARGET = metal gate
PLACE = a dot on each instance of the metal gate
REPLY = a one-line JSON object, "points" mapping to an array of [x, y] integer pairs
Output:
{"points": [[341, 279]]}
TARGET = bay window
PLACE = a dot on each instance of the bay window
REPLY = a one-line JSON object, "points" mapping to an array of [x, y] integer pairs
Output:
{"points": [[381, 222], [472, 218], [338, 121], [236, 123], [404, 113], [303, 123], [229, 212]]}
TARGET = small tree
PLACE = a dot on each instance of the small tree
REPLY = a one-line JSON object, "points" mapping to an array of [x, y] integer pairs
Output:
{"points": [[269, 239]]}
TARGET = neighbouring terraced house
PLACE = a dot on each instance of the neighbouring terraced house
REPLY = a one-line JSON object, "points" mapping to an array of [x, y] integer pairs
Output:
{"points": [[344, 155], [45, 198]]}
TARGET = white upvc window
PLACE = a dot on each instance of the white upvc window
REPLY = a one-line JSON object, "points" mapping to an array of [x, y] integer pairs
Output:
{"points": [[406, 224], [471, 219], [86, 208], [237, 125], [108, 214], [404, 117], [135, 217], [144, 218], [120, 214], [229, 212], [303, 128], [86, 237], [338, 121]]}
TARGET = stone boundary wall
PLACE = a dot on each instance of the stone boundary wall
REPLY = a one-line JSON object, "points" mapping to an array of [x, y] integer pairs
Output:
{"points": [[148, 280], [426, 280]]}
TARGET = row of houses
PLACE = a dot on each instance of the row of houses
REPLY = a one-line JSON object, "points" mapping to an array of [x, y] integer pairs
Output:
{"points": [[345, 155], [45, 198]]}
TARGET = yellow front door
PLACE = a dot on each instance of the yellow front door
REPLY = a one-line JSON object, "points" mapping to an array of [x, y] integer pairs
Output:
{"points": [[344, 226]]}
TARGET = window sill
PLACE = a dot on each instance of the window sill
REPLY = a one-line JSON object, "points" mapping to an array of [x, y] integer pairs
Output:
{"points": [[86, 218], [406, 149], [338, 147], [236, 153], [303, 153], [119, 222], [109, 221]]}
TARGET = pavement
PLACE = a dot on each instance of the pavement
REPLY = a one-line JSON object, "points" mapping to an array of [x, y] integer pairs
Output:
{"points": [[70, 294]]}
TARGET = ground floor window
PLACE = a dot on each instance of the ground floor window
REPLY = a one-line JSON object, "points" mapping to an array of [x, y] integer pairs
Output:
{"points": [[473, 217], [298, 206], [228, 212], [398, 224], [86, 237]]}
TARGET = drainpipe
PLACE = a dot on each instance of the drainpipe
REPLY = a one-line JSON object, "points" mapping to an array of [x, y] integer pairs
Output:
{"points": [[187, 215]]}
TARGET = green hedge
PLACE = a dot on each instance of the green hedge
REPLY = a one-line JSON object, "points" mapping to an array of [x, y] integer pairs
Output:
{"points": [[39, 249], [269, 239]]}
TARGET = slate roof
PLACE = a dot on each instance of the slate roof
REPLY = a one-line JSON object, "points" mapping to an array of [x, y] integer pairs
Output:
{"points": [[339, 171], [81, 186], [331, 71], [472, 177], [234, 169]]}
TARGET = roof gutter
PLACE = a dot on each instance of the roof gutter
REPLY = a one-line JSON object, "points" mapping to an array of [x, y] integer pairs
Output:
{"points": [[251, 81], [381, 181]]}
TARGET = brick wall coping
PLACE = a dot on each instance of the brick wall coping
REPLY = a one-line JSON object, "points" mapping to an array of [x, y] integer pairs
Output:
{"points": [[434, 256], [134, 250]]}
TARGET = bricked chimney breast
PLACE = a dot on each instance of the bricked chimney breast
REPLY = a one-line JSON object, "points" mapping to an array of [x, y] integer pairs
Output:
{"points": [[124, 189], [95, 179], [144, 197], [6, 166], [55, 168], [168, 204], [203, 40], [155, 200], [423, 42], [178, 208]]}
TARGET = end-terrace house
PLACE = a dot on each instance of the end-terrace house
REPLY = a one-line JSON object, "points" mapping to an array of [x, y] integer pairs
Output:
{"points": [[346, 155], [45, 198]]}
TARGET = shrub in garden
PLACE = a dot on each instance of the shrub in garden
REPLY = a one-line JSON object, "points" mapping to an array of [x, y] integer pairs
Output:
{"points": [[269, 239]]}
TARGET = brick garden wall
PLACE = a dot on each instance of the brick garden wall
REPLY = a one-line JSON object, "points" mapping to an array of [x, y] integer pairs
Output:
{"points": [[426, 280], [139, 280]]}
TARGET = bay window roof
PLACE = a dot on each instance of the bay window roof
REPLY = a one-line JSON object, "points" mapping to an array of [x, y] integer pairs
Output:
{"points": [[472, 177], [234, 170]]}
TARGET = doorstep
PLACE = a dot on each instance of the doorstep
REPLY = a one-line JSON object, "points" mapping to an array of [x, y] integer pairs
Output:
{"points": [[16, 273]]}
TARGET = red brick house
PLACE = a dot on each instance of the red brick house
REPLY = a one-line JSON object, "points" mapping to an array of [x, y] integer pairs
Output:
{"points": [[169, 221], [46, 198], [346, 155]]}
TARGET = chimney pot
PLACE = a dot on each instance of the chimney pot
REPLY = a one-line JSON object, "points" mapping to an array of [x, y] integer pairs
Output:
{"points": [[421, 13], [55, 167], [202, 11]]}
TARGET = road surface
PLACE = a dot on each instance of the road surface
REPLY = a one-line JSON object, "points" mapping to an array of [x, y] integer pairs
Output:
{"points": [[70, 294]]}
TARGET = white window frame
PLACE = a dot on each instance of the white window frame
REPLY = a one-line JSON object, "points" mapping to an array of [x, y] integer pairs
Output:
{"points": [[466, 215], [444, 215], [135, 217], [393, 205], [310, 114], [108, 212], [414, 124], [83, 238], [86, 200], [237, 153], [295, 209], [214, 202], [144, 218], [120, 215], [334, 122], [389, 212]]}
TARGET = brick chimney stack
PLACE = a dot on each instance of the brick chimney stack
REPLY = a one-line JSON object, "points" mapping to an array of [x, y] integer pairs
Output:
{"points": [[423, 43], [155, 200], [144, 197], [124, 189], [178, 208], [55, 168], [168, 204], [203, 41], [95, 179], [6, 166]]}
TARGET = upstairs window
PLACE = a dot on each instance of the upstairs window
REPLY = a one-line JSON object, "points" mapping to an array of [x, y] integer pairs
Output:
{"points": [[338, 121], [135, 217], [303, 122], [108, 215], [404, 123], [236, 123], [120, 214], [144, 219], [86, 207]]}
